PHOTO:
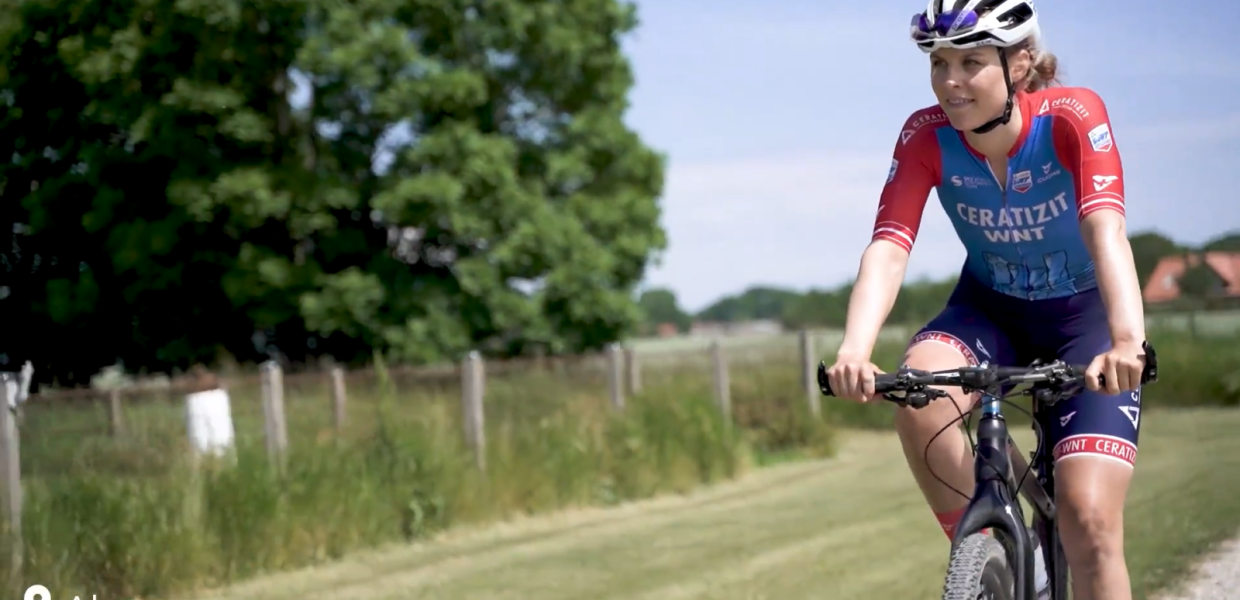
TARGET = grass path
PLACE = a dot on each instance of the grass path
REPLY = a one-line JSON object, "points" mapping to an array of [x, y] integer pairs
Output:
{"points": [[853, 527]]}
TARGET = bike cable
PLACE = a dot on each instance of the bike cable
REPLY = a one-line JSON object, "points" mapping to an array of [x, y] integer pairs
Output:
{"points": [[965, 418]]}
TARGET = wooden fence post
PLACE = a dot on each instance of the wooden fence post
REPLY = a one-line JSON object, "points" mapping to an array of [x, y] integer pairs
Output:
{"points": [[273, 412], [339, 397], [809, 374], [10, 462], [633, 371], [615, 383], [473, 384], [722, 387], [115, 417]]}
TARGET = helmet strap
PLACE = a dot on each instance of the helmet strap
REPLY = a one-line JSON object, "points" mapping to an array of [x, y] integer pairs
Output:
{"points": [[1011, 92]]}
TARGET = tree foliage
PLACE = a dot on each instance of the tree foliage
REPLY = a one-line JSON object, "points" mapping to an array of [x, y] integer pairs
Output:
{"points": [[1228, 242], [755, 303], [659, 305], [1200, 281], [292, 178], [1148, 248]]}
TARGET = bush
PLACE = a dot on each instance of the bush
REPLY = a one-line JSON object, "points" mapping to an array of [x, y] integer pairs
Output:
{"points": [[1202, 371], [770, 405]]}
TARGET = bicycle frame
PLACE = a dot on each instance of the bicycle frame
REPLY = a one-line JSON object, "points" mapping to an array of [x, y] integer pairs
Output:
{"points": [[997, 460]]}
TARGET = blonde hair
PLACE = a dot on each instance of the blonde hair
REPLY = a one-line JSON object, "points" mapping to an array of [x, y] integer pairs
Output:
{"points": [[1043, 68]]}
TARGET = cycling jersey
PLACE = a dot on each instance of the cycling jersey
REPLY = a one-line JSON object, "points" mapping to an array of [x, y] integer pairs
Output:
{"points": [[1027, 289], [1021, 239]]}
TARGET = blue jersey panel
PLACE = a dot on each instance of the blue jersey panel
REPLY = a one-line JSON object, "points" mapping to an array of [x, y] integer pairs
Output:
{"points": [[1024, 241]]}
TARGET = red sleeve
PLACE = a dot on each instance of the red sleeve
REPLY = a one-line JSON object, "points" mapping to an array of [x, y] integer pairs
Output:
{"points": [[915, 168], [1085, 145]]}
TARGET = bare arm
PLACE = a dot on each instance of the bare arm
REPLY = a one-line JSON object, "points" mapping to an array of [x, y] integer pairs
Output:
{"points": [[914, 172], [1084, 143], [878, 283], [1106, 238]]}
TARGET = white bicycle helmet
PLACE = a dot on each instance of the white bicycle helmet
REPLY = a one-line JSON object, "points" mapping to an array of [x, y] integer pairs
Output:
{"points": [[971, 23], [964, 24]]}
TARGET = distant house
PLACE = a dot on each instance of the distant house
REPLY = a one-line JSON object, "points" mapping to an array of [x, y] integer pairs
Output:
{"points": [[718, 329], [667, 330], [708, 329], [1164, 282], [756, 326]]}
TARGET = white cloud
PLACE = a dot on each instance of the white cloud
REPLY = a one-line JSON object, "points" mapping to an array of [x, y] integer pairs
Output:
{"points": [[798, 221]]}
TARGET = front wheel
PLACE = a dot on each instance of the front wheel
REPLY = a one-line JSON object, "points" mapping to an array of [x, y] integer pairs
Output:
{"points": [[979, 570]]}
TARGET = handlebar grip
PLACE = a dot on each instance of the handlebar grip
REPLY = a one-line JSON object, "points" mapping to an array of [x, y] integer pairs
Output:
{"points": [[1148, 375], [824, 384], [881, 381]]}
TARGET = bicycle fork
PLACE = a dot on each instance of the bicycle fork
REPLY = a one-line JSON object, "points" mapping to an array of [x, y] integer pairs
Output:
{"points": [[994, 503]]}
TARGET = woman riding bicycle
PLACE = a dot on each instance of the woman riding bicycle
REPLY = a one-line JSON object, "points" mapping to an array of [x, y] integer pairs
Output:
{"points": [[1031, 178]]}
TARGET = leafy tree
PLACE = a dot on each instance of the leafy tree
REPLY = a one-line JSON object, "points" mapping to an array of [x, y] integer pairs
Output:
{"points": [[113, 110], [818, 308], [1148, 249], [1200, 281], [1228, 242], [454, 179], [757, 302], [660, 306], [524, 207]]}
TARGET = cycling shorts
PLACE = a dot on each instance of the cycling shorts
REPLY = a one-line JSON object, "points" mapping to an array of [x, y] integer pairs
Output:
{"points": [[987, 326]]}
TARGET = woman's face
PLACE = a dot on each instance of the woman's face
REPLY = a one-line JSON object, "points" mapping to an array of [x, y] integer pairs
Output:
{"points": [[969, 83]]}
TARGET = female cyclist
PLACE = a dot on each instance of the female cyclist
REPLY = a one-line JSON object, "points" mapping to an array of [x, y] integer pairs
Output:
{"points": [[1031, 178]]}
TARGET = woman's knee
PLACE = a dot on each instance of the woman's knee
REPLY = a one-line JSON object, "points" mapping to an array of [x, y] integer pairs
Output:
{"points": [[932, 356], [1090, 494]]}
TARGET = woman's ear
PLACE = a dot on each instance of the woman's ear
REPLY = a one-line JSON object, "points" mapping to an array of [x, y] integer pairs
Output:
{"points": [[1021, 65]]}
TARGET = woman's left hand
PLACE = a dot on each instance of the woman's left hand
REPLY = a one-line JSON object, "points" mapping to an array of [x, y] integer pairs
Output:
{"points": [[1122, 366]]}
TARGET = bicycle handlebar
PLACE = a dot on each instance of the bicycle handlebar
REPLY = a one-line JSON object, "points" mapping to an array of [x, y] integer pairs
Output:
{"points": [[1051, 380]]}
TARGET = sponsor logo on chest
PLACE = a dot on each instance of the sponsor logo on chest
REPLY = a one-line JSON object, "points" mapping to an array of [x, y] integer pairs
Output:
{"points": [[1012, 224]]}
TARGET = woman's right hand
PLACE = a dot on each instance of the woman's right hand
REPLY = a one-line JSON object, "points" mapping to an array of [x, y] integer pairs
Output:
{"points": [[852, 377]]}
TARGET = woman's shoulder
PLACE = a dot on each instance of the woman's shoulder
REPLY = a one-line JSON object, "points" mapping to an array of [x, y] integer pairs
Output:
{"points": [[922, 123], [1079, 101]]}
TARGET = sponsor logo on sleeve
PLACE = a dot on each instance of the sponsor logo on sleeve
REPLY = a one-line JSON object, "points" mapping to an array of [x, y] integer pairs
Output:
{"points": [[1100, 138]]}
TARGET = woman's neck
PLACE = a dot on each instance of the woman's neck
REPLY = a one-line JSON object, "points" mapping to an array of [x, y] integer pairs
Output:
{"points": [[997, 143]]}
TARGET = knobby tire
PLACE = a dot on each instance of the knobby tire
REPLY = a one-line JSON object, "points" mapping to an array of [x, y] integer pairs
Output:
{"points": [[979, 570]]}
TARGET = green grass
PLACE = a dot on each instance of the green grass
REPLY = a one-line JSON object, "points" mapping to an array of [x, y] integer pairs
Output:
{"points": [[849, 527], [128, 516], [1186, 496]]}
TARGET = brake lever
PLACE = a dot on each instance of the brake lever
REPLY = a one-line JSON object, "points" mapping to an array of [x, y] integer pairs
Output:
{"points": [[917, 398]]}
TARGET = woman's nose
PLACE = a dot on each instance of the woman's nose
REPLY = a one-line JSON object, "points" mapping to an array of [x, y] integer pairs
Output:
{"points": [[953, 78]]}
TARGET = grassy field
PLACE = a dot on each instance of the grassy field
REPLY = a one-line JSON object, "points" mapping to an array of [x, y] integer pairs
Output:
{"points": [[850, 527], [127, 516]]}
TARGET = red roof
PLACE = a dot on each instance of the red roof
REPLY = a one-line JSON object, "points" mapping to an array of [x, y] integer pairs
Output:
{"points": [[1164, 281]]}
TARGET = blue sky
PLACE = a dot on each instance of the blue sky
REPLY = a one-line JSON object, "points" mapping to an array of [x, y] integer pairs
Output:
{"points": [[778, 120]]}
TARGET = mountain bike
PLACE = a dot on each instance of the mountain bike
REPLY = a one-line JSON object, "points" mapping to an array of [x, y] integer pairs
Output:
{"points": [[1000, 566]]}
